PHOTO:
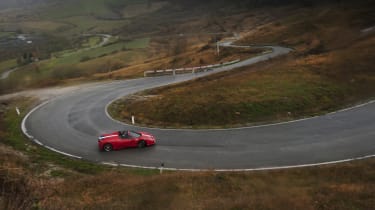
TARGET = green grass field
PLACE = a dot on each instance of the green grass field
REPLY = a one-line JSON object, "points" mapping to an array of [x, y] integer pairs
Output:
{"points": [[72, 17], [101, 8], [6, 34], [6, 65], [89, 24], [87, 54], [46, 26], [70, 64], [91, 41]]}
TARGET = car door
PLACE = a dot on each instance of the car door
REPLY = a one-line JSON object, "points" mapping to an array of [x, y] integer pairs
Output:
{"points": [[127, 141], [132, 140], [123, 141]]}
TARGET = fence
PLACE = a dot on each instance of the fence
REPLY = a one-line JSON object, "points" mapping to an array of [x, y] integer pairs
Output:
{"points": [[154, 73]]}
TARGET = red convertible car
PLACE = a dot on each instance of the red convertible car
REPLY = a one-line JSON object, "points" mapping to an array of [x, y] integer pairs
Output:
{"points": [[125, 139]]}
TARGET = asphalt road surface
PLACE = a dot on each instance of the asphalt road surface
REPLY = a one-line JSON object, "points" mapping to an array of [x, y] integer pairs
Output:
{"points": [[71, 123]]}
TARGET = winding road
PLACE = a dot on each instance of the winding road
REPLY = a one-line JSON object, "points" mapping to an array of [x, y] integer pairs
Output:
{"points": [[71, 123]]}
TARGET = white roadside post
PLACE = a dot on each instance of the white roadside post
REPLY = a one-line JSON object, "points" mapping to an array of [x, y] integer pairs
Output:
{"points": [[18, 111], [218, 48], [161, 168], [133, 119]]}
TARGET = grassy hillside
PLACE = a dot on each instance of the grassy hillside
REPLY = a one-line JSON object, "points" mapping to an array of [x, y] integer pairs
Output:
{"points": [[58, 9], [70, 64], [68, 18], [332, 67], [98, 8], [119, 59], [6, 65]]}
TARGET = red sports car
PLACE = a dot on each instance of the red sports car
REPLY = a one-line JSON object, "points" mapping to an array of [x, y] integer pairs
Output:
{"points": [[125, 139]]}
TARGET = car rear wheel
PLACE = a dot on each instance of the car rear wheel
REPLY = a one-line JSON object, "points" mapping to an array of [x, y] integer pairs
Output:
{"points": [[107, 147], [141, 144]]}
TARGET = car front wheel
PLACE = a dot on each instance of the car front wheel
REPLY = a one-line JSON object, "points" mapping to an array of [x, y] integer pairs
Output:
{"points": [[107, 147]]}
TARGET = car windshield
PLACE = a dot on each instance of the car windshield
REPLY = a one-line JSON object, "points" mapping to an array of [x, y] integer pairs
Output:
{"points": [[134, 134]]}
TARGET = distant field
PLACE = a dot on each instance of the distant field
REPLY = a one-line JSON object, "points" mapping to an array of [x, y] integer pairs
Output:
{"points": [[70, 64], [92, 41], [76, 57], [113, 62], [72, 17], [41, 25], [6, 65], [89, 24], [138, 43], [100, 8], [86, 7], [141, 8], [68, 26], [6, 34]]}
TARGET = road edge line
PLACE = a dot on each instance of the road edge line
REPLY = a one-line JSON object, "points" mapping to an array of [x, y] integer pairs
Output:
{"points": [[35, 140]]}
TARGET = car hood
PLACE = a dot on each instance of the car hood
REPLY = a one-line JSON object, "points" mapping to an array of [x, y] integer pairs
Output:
{"points": [[146, 135]]}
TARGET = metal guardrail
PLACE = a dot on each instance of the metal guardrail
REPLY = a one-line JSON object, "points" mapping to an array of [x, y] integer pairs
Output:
{"points": [[154, 73]]}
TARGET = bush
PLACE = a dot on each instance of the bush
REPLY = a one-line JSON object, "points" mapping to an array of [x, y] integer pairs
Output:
{"points": [[85, 58], [67, 72]]}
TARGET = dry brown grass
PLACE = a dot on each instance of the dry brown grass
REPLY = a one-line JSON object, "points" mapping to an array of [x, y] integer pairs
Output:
{"points": [[343, 186], [179, 52], [325, 72]]}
